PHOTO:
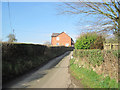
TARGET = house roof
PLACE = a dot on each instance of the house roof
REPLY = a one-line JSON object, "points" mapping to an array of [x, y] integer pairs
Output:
{"points": [[55, 34]]}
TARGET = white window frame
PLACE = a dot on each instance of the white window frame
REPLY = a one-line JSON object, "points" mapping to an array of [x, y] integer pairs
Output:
{"points": [[57, 43], [57, 38], [67, 44]]}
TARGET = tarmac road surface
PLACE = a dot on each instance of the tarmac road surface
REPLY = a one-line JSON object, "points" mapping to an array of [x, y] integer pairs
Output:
{"points": [[52, 75]]}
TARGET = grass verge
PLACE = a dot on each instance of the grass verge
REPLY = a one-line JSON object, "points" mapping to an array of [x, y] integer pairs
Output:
{"points": [[91, 79]]}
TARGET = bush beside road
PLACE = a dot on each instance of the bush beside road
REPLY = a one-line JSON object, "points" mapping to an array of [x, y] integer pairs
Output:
{"points": [[18, 59], [95, 68]]}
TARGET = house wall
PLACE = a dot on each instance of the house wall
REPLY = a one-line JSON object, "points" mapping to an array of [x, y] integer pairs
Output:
{"points": [[53, 41], [63, 40]]}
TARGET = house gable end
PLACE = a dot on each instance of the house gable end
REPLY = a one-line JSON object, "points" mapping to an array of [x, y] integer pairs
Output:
{"points": [[64, 39], [64, 33]]}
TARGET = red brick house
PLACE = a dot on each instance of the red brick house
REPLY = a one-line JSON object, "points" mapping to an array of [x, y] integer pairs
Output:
{"points": [[61, 39]]}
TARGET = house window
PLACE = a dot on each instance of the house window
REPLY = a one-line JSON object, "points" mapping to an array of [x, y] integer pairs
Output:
{"points": [[57, 38], [67, 44], [57, 43]]}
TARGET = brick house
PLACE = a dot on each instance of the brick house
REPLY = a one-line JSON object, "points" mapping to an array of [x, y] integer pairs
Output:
{"points": [[61, 39]]}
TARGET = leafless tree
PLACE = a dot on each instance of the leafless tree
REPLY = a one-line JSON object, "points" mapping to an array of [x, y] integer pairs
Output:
{"points": [[109, 10], [47, 43], [11, 38]]}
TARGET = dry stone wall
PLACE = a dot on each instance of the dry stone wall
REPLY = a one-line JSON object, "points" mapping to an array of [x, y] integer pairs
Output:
{"points": [[109, 66]]}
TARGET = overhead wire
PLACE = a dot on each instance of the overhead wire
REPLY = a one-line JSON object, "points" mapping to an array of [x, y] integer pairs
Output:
{"points": [[10, 17]]}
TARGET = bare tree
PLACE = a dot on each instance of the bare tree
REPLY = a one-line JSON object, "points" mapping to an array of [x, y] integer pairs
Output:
{"points": [[47, 43], [109, 10], [11, 38]]}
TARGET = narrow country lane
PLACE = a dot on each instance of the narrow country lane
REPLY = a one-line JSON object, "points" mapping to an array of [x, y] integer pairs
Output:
{"points": [[52, 75]]}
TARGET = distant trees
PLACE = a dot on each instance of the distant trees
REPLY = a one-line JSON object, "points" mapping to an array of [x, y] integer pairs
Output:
{"points": [[47, 43], [0, 41], [89, 40], [112, 40], [11, 38]]}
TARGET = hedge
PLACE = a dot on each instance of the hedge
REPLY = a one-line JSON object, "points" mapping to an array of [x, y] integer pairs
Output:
{"points": [[20, 58]]}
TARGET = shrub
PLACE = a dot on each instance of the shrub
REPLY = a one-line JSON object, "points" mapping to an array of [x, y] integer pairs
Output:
{"points": [[116, 53], [98, 43], [89, 40]]}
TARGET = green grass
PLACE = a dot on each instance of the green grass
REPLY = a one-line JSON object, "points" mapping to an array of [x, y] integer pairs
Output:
{"points": [[116, 53], [91, 79]]}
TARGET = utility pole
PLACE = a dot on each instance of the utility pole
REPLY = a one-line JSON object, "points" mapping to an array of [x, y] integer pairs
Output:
{"points": [[13, 31]]}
